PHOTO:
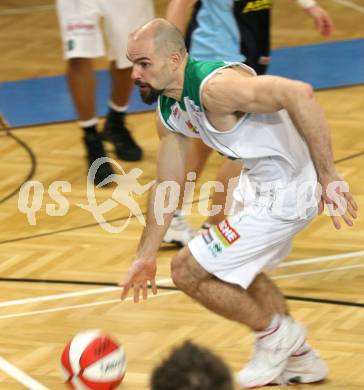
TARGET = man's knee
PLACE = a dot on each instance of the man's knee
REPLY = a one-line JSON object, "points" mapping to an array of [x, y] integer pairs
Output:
{"points": [[185, 271]]}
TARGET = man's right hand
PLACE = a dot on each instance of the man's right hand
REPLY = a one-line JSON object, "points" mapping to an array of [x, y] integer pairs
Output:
{"points": [[338, 199], [140, 273]]}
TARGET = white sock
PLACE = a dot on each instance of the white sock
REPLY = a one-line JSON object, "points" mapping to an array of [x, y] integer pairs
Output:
{"points": [[117, 108], [88, 123], [271, 328]]}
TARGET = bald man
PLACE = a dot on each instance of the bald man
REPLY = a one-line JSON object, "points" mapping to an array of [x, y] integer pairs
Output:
{"points": [[276, 128]]}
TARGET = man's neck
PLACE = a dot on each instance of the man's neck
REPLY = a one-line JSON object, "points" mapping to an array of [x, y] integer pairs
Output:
{"points": [[176, 89]]}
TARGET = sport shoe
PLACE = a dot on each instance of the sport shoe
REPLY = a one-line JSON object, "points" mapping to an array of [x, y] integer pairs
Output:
{"points": [[307, 367], [271, 352], [95, 150], [116, 132], [179, 232]]}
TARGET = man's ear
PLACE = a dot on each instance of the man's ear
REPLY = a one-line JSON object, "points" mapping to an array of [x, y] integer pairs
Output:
{"points": [[175, 60]]}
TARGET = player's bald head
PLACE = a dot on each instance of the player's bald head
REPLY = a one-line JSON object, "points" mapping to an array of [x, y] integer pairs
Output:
{"points": [[166, 37]]}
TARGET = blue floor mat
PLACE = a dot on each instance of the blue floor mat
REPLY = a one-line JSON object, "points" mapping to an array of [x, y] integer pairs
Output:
{"points": [[47, 100]]}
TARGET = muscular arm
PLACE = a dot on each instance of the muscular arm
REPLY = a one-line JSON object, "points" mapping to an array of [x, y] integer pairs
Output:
{"points": [[178, 11], [170, 167], [232, 91]]}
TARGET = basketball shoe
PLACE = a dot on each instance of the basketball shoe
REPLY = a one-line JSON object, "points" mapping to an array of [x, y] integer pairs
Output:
{"points": [[272, 349], [116, 132], [180, 231], [95, 150], [305, 367]]}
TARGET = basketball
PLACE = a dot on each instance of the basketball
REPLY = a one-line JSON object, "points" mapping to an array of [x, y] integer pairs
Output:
{"points": [[92, 360]]}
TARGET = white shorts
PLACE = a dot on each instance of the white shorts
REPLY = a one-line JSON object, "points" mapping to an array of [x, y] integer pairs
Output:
{"points": [[251, 240], [81, 32]]}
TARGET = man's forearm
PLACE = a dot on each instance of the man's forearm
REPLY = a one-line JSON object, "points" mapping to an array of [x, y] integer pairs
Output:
{"points": [[154, 230], [164, 196], [178, 11], [310, 121]]}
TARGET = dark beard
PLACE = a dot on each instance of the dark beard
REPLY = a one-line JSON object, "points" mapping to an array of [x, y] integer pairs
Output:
{"points": [[150, 95]]}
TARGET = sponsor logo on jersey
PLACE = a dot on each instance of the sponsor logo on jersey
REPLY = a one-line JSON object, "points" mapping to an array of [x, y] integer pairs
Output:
{"points": [[215, 248], [176, 113], [194, 107], [80, 26], [70, 45], [257, 5], [191, 127], [207, 237], [225, 233]]}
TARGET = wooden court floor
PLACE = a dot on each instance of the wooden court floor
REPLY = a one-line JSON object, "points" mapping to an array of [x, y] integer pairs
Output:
{"points": [[323, 276]]}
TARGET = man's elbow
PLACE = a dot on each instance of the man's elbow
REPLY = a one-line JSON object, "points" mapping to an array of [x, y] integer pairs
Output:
{"points": [[305, 90]]}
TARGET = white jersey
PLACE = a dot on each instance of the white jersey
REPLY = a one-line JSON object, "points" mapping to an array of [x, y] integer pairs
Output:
{"points": [[272, 201], [269, 145]]}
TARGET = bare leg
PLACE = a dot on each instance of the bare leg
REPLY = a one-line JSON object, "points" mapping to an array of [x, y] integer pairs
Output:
{"points": [[115, 129], [82, 84], [267, 295], [227, 300], [121, 84]]}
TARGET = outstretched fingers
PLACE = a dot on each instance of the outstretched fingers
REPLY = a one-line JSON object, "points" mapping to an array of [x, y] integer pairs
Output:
{"points": [[154, 286], [139, 289], [352, 205], [125, 290], [344, 206]]}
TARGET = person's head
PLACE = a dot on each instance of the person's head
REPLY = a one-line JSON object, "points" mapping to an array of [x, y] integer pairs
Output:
{"points": [[191, 367], [157, 51]]}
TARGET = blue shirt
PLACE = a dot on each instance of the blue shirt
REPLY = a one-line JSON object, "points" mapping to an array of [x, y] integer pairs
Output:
{"points": [[217, 36]]}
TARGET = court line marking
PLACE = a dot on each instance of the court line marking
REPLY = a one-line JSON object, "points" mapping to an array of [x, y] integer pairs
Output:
{"points": [[53, 297], [161, 281], [322, 259], [32, 384], [25, 10], [63, 308], [111, 289], [20, 376], [321, 271], [58, 296], [350, 4]]}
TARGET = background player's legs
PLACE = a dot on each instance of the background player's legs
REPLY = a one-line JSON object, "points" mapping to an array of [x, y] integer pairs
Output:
{"points": [[115, 129], [228, 175], [180, 231], [82, 85], [121, 85], [198, 153]]}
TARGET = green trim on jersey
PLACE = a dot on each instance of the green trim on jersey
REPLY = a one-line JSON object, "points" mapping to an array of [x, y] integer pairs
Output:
{"points": [[195, 73]]}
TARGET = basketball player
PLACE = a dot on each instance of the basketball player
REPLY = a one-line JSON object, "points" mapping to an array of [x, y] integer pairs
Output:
{"points": [[194, 368], [227, 30], [82, 41], [276, 127]]}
